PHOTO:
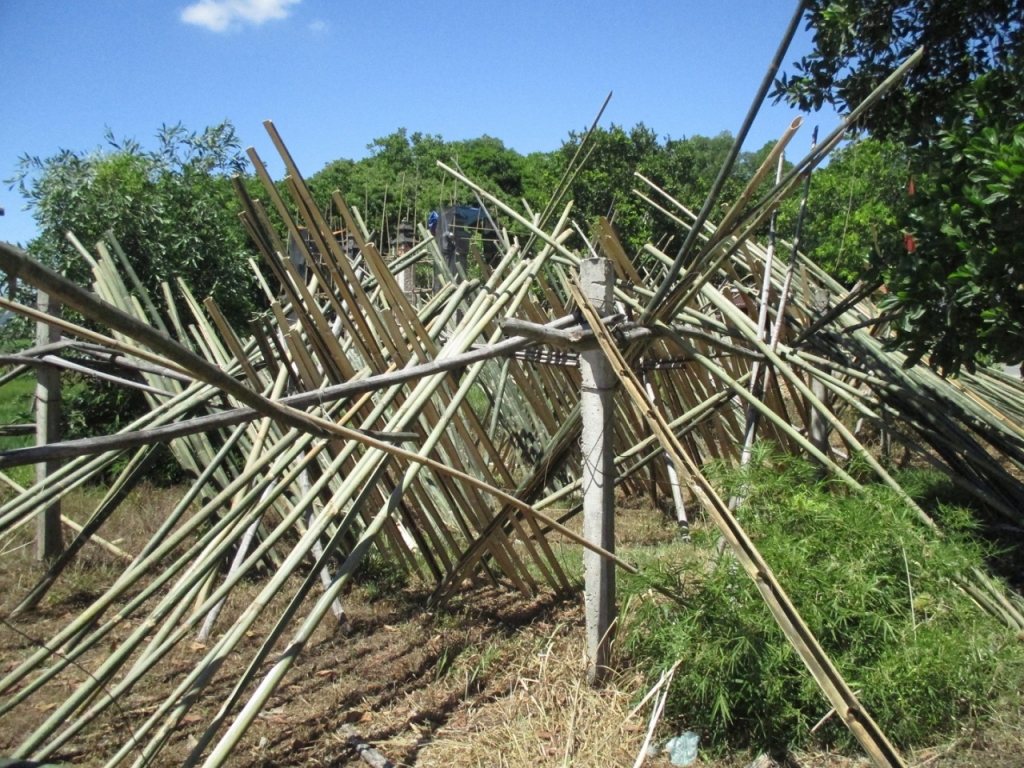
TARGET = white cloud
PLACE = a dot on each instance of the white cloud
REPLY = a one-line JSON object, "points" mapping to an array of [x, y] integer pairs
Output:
{"points": [[219, 15], [319, 27]]}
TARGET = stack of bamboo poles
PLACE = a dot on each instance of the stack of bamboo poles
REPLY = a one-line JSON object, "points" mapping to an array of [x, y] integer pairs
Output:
{"points": [[346, 420], [272, 498]]}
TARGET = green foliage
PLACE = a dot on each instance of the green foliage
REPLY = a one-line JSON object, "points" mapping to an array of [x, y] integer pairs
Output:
{"points": [[172, 209], [874, 588], [16, 332], [379, 576], [858, 43], [174, 212], [959, 115], [402, 173], [968, 217], [856, 209], [684, 168], [400, 179], [16, 398], [91, 407], [602, 188]]}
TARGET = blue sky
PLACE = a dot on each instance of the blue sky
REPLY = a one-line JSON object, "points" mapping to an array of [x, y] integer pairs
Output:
{"points": [[335, 75]]}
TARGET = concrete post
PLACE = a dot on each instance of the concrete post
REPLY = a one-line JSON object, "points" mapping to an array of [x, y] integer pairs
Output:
{"points": [[49, 541], [597, 279], [407, 283], [407, 278]]}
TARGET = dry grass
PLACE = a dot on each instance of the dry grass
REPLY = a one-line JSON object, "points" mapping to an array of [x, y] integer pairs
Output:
{"points": [[129, 528], [547, 717]]}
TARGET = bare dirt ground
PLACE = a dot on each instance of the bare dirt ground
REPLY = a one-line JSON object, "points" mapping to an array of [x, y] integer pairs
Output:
{"points": [[492, 679]]}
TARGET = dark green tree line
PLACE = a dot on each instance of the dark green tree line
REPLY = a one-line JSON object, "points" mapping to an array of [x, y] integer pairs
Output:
{"points": [[400, 178], [857, 208]]}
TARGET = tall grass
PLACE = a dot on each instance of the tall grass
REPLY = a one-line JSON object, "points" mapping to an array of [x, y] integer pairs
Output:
{"points": [[873, 586], [16, 408]]}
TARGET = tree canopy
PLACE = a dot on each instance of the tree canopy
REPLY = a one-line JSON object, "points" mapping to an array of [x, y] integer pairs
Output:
{"points": [[856, 209], [172, 209], [858, 43], [963, 287], [400, 178], [956, 292], [174, 212]]}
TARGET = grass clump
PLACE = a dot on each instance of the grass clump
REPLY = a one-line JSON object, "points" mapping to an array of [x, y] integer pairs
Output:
{"points": [[874, 587], [379, 577]]}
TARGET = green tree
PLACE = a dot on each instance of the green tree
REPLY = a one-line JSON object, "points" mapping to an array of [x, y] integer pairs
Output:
{"points": [[174, 212], [962, 290], [172, 209], [958, 114], [541, 172], [603, 186], [858, 43], [400, 178], [685, 168], [857, 208]]}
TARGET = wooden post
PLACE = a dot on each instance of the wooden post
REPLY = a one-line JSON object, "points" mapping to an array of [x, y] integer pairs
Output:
{"points": [[673, 478], [597, 279], [49, 541], [818, 426]]}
